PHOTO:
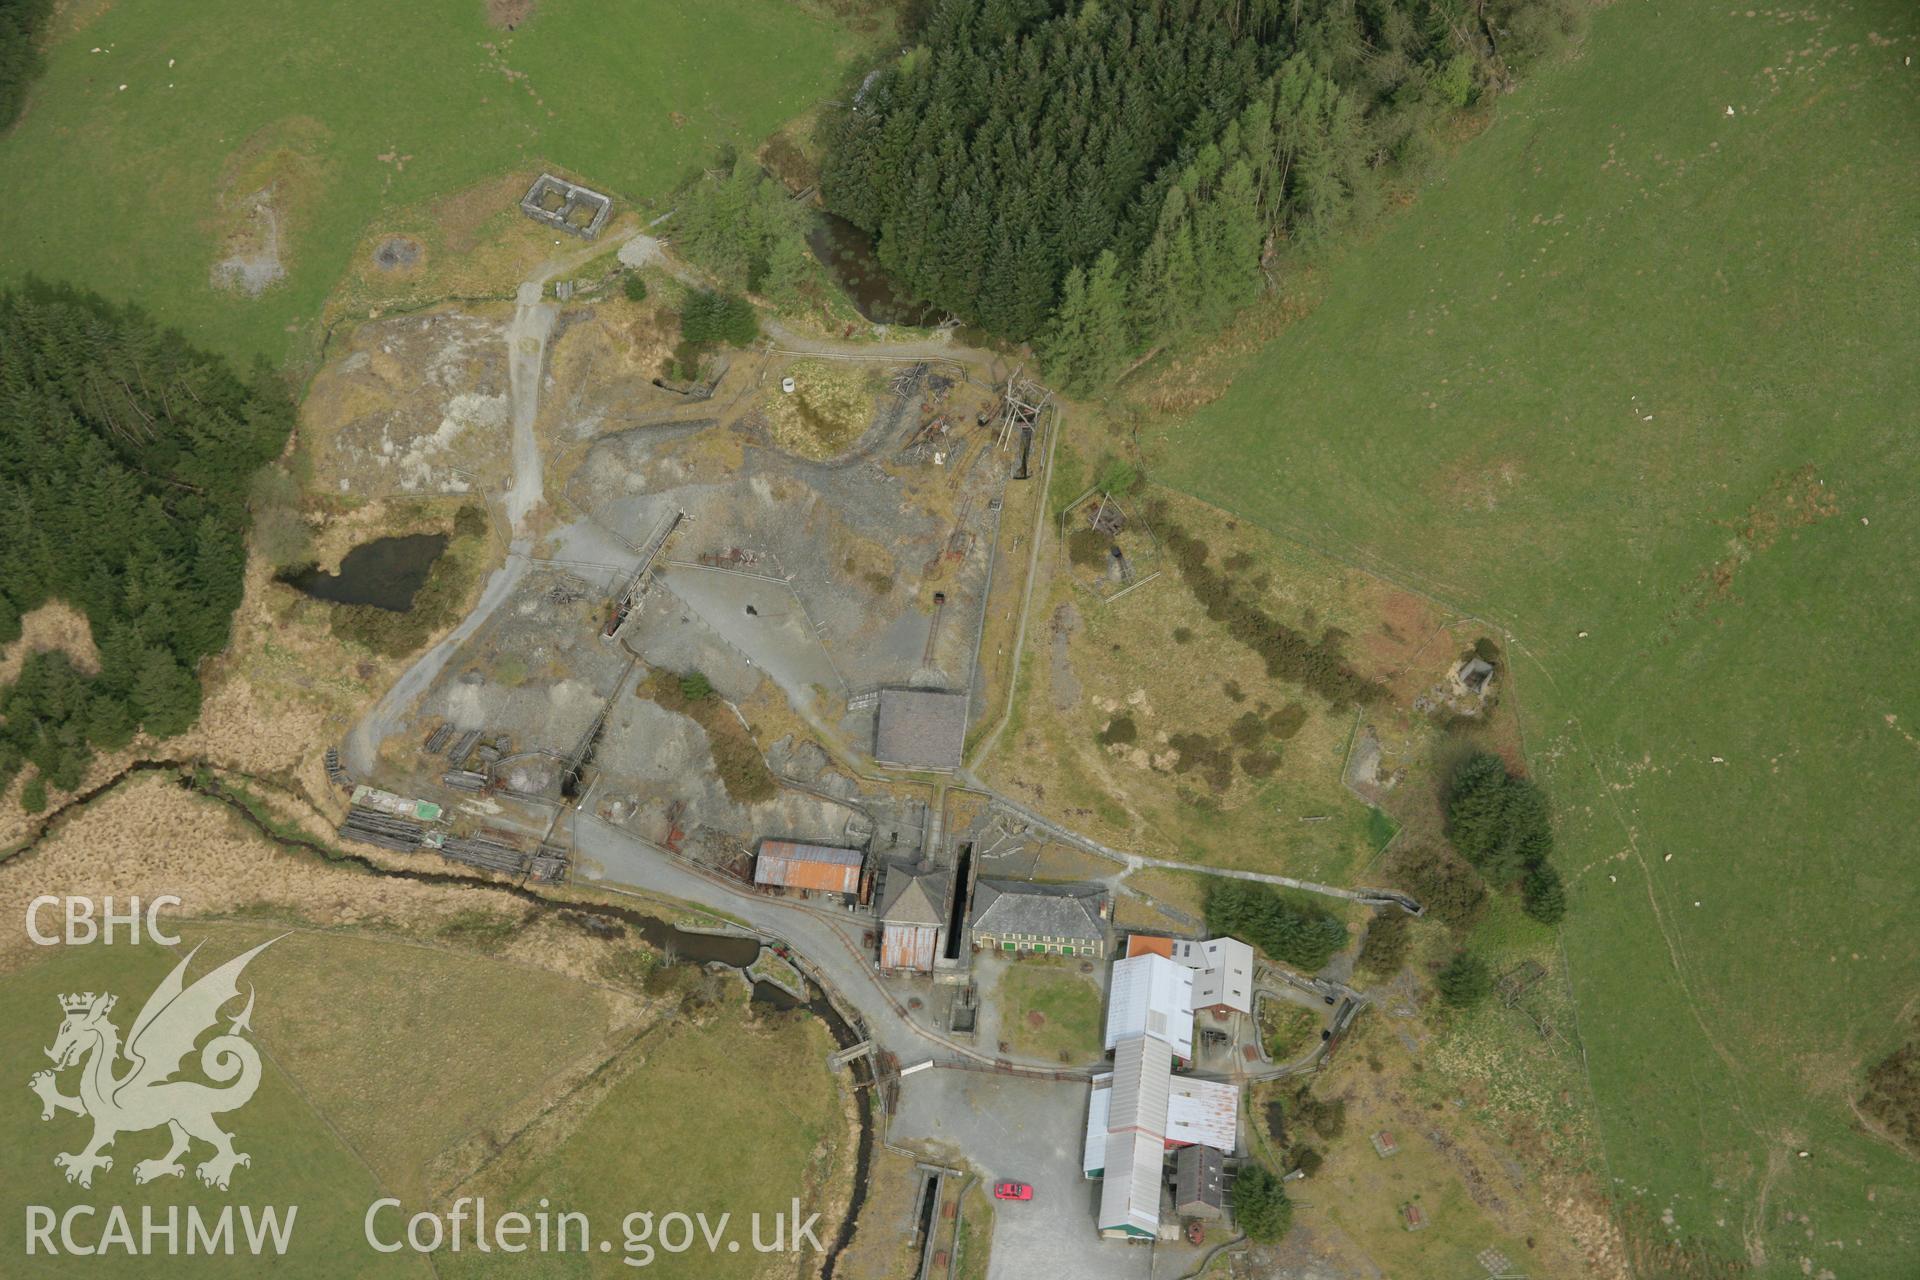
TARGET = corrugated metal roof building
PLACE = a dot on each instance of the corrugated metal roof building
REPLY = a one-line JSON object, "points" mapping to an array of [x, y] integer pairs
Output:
{"points": [[1151, 996], [1126, 1135], [913, 905], [1203, 1112], [1093, 1156], [1130, 1191], [816, 867], [1142, 1083]]}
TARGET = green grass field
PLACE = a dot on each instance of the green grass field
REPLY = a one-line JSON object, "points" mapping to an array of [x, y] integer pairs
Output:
{"points": [[297, 1160], [713, 1119], [360, 108], [1050, 1011], [394, 1069], [1640, 371]]}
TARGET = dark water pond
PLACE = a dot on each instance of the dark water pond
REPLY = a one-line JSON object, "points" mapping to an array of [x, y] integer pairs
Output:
{"points": [[385, 573], [847, 252]]}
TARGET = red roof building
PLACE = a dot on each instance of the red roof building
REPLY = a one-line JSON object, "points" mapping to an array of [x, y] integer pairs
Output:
{"points": [[814, 867]]}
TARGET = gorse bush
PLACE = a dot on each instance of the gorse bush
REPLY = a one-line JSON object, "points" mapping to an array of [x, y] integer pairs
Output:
{"points": [[1389, 938], [1448, 889], [1288, 654], [1465, 981], [1542, 896], [1892, 1093], [1087, 547]]}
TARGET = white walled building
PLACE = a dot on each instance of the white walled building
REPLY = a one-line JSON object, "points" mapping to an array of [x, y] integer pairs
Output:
{"points": [[1222, 973]]}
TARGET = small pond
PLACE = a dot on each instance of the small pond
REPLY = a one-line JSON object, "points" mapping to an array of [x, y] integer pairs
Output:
{"points": [[847, 253], [385, 573]]}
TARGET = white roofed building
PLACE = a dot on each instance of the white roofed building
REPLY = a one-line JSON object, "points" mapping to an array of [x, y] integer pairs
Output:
{"points": [[1136, 1145], [1142, 1083], [1203, 1113], [1130, 1189], [1093, 1157], [1151, 996], [1141, 1108], [1222, 973]]}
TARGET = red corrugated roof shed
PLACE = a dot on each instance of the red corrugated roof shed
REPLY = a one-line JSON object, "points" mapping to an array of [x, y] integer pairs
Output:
{"points": [[808, 866], [1145, 944], [908, 946]]}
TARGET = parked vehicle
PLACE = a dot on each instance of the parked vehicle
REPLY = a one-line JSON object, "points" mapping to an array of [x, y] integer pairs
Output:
{"points": [[1012, 1191]]}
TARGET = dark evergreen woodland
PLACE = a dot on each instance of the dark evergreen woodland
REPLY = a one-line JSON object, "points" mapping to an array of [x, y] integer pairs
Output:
{"points": [[21, 22], [125, 456], [1101, 176], [1503, 825], [1290, 930]]}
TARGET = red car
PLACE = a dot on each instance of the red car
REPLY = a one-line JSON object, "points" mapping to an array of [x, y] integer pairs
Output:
{"points": [[1012, 1191]]}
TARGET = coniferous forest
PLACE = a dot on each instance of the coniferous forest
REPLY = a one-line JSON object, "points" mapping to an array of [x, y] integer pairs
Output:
{"points": [[1102, 176], [124, 460], [21, 22]]}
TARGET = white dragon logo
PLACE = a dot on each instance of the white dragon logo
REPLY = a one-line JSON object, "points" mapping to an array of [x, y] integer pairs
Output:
{"points": [[146, 1095]]}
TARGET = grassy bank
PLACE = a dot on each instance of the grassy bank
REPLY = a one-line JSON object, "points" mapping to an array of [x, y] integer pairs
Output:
{"points": [[1633, 377], [135, 166], [1049, 1010]]}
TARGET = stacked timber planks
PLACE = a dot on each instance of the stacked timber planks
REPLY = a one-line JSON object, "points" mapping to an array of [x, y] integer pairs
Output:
{"points": [[486, 849], [458, 755], [371, 826]]}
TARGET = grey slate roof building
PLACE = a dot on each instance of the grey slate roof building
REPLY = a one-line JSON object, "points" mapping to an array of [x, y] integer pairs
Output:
{"points": [[914, 895], [920, 728], [1199, 1183], [1015, 915]]}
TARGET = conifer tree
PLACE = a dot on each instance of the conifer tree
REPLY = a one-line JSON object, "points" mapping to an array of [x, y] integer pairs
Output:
{"points": [[1108, 343], [1542, 895], [1465, 981], [1476, 805], [1018, 140], [124, 472], [1065, 348]]}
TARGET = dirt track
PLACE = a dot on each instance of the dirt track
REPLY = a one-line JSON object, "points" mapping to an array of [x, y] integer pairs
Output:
{"points": [[527, 335]]}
